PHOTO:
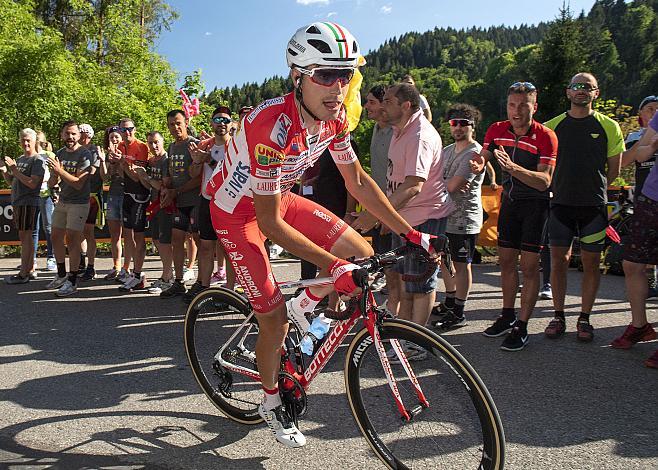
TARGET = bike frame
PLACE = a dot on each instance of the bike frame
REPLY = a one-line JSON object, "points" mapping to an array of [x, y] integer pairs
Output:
{"points": [[330, 345]]}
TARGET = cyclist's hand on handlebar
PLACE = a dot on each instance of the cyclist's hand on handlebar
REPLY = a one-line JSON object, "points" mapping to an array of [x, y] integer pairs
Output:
{"points": [[430, 243], [343, 273]]}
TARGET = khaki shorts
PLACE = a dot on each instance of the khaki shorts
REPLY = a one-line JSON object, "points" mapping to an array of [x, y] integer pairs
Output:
{"points": [[70, 216]]}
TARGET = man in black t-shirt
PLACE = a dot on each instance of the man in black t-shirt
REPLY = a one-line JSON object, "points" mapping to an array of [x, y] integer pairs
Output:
{"points": [[589, 157]]}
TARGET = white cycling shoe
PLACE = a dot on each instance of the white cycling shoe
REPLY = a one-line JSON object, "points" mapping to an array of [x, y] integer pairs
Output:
{"points": [[283, 428]]}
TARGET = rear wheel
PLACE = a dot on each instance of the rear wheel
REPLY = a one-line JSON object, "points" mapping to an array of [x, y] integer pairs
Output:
{"points": [[460, 428], [215, 327]]}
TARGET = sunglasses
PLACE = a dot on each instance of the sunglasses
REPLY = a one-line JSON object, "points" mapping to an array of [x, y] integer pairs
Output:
{"points": [[460, 122], [327, 76], [582, 86], [127, 129], [221, 120], [525, 85]]}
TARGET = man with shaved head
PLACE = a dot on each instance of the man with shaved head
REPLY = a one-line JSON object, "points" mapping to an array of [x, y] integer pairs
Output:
{"points": [[589, 158]]}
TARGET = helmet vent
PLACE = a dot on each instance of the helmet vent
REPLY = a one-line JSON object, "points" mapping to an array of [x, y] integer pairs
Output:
{"points": [[313, 30], [291, 52], [320, 46], [355, 47]]}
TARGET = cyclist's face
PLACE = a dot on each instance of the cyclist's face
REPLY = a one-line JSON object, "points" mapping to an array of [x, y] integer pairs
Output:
{"points": [[520, 109], [323, 101]]}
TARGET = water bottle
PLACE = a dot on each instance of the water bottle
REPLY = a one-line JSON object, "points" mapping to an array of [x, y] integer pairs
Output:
{"points": [[316, 332]]}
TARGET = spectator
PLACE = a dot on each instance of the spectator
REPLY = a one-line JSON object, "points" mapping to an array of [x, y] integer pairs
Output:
{"points": [[46, 206], [114, 212], [464, 223], [136, 197], [589, 157], [204, 164], [642, 248], [96, 215], [25, 175], [182, 189], [160, 222], [646, 110], [415, 188], [70, 168], [424, 105], [523, 208]]}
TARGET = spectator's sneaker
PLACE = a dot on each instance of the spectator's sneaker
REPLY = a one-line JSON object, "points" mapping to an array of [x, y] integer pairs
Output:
{"points": [[112, 275], [500, 327], [158, 286], [188, 275], [57, 282], [218, 276], [634, 335], [33, 275], [133, 283], [556, 328], [17, 279], [449, 322], [584, 331], [282, 426], [515, 340], [412, 351], [440, 310], [546, 293], [177, 288], [192, 292], [51, 265], [66, 289], [652, 361], [88, 275], [122, 277]]}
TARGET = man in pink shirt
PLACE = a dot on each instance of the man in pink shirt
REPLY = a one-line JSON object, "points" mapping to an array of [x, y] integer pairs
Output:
{"points": [[416, 190]]}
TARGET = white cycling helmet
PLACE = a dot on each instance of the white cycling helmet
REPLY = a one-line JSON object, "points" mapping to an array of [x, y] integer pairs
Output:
{"points": [[325, 44], [87, 129]]}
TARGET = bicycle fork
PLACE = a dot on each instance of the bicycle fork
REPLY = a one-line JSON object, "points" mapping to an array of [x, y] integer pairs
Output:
{"points": [[405, 413]]}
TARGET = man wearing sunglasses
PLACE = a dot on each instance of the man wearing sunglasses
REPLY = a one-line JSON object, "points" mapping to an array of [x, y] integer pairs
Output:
{"points": [[589, 158], [252, 200], [135, 201], [526, 152], [205, 159]]}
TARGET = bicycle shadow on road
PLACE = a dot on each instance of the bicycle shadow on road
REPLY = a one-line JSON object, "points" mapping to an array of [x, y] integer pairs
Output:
{"points": [[152, 448]]}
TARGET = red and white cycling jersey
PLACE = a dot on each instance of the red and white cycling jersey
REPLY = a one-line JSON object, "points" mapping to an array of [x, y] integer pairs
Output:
{"points": [[271, 152]]}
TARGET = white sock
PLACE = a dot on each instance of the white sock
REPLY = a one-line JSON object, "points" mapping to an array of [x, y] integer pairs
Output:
{"points": [[271, 400]]}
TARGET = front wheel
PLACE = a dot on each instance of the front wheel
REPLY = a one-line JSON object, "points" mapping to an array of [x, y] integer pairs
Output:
{"points": [[460, 428]]}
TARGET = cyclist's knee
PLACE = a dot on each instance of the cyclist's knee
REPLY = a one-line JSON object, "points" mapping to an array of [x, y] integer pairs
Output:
{"points": [[351, 243]]}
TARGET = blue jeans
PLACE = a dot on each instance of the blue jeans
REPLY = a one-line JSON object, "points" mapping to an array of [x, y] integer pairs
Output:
{"points": [[45, 213]]}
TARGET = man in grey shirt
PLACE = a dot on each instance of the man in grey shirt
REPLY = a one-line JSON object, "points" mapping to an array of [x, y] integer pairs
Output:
{"points": [[184, 190], [70, 168], [379, 144], [464, 224]]}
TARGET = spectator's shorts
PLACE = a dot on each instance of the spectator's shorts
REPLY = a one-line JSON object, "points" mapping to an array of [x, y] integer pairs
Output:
{"points": [[521, 222], [206, 230], [587, 222], [134, 212], [642, 244], [114, 207], [70, 216], [462, 247], [160, 226], [414, 264], [25, 217], [185, 219]]}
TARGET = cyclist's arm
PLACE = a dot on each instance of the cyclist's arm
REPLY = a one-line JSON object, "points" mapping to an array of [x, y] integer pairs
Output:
{"points": [[539, 180], [366, 191], [280, 232]]}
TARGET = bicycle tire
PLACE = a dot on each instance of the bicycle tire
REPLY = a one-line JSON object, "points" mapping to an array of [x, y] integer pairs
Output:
{"points": [[211, 318], [465, 433]]}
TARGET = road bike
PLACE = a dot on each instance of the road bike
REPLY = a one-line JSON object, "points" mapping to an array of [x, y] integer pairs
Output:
{"points": [[429, 413]]}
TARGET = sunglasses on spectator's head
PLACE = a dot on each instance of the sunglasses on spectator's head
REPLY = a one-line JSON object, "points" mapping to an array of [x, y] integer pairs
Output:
{"points": [[460, 122], [523, 86], [582, 86], [127, 129], [221, 120], [113, 129], [327, 76]]}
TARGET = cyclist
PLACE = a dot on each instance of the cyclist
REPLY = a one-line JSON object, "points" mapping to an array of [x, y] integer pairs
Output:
{"points": [[252, 200]]}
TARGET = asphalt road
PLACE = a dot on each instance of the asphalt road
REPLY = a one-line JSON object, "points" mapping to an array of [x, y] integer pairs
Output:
{"points": [[101, 380]]}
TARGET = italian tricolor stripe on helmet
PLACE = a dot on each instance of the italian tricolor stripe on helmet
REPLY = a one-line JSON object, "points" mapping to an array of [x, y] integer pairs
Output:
{"points": [[340, 39]]}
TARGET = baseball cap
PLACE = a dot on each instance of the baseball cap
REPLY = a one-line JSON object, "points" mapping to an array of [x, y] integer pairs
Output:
{"points": [[87, 129], [647, 100]]}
